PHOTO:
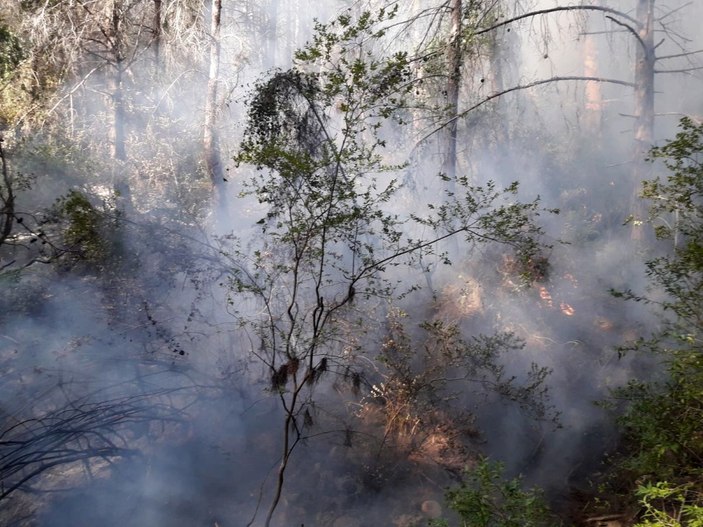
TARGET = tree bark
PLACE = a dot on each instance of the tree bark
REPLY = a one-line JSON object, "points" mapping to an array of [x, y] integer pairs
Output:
{"points": [[271, 35], [496, 83], [211, 147], [117, 147], [644, 109], [453, 83], [7, 197], [593, 116], [644, 77], [157, 35], [118, 150]]}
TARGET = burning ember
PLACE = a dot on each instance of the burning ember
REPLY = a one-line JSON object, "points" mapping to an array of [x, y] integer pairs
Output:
{"points": [[567, 309], [545, 296]]}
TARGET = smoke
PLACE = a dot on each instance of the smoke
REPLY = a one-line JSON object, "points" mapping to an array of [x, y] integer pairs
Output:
{"points": [[143, 362]]}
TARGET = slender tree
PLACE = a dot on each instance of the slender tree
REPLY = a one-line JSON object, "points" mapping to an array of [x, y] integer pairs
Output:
{"points": [[118, 63], [641, 26], [327, 237], [7, 199], [645, 60], [454, 62], [211, 143], [157, 32]]}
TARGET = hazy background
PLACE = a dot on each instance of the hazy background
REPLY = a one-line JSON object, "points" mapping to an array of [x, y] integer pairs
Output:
{"points": [[151, 337]]}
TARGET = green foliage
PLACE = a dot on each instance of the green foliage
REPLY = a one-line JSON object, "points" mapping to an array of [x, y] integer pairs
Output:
{"points": [[329, 233], [314, 138], [14, 99], [486, 499], [423, 377], [89, 233], [677, 213], [493, 215], [424, 385], [664, 417], [23, 240], [670, 506], [11, 52], [476, 15], [662, 421]]}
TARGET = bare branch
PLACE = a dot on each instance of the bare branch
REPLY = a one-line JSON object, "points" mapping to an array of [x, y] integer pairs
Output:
{"points": [[696, 119], [73, 90], [682, 70], [524, 87], [673, 11], [630, 29], [557, 10], [605, 32], [81, 430], [678, 55], [666, 114]]}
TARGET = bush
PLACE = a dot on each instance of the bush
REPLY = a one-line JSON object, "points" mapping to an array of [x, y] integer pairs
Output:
{"points": [[662, 421], [486, 499]]}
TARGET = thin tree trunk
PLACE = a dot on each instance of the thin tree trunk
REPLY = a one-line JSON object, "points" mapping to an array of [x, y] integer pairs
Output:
{"points": [[117, 147], [644, 77], [118, 150], [496, 82], [7, 197], [644, 108], [157, 35], [292, 31], [211, 147], [453, 84], [271, 60], [285, 458], [593, 118]]}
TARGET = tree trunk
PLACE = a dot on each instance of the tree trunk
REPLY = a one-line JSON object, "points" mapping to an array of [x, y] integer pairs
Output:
{"points": [[293, 31], [7, 199], [117, 133], [496, 83], [118, 150], [593, 117], [453, 84], [644, 78], [117, 139], [211, 147], [271, 35], [157, 36], [644, 108]]}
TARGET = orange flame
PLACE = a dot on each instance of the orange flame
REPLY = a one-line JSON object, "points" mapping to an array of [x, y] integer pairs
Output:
{"points": [[567, 309], [544, 295]]}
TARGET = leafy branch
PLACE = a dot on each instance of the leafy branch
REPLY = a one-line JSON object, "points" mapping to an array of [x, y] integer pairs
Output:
{"points": [[328, 235]]}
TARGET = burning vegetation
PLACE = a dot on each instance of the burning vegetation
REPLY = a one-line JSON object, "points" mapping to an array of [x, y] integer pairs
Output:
{"points": [[384, 305]]}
